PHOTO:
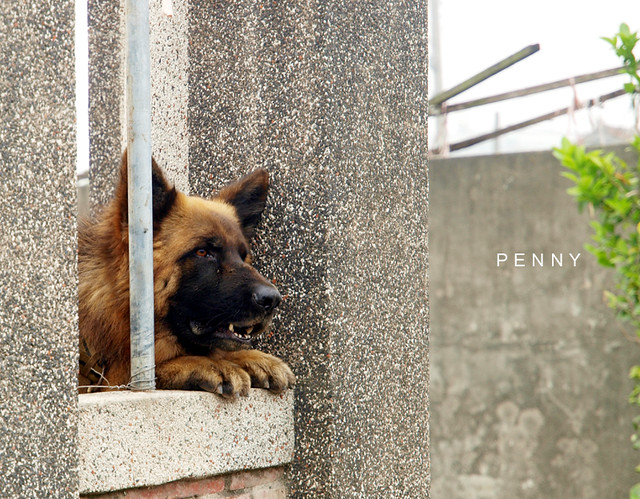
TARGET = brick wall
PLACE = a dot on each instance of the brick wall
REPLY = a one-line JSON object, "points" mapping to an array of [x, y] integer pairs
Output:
{"points": [[266, 483]]}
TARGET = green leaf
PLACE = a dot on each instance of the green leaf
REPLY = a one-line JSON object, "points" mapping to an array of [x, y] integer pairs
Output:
{"points": [[621, 246], [620, 206], [612, 301], [629, 88], [574, 191], [605, 261], [596, 158], [591, 249], [570, 176], [634, 373], [634, 493], [585, 182]]}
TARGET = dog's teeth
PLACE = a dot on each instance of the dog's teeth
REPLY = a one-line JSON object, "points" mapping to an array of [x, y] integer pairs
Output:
{"points": [[249, 329], [231, 327]]}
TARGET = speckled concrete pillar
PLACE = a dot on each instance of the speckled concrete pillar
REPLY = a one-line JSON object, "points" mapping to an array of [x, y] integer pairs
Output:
{"points": [[331, 98], [106, 96], [107, 119], [38, 300]]}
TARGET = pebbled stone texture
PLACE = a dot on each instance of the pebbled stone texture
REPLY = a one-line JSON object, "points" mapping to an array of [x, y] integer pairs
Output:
{"points": [[136, 439], [332, 100], [38, 299], [106, 97]]}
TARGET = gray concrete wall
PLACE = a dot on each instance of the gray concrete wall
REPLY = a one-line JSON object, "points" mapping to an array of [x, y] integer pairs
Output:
{"points": [[528, 366], [38, 299]]}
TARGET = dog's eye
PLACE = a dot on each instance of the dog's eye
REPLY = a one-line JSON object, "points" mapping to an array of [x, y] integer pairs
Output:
{"points": [[205, 253]]}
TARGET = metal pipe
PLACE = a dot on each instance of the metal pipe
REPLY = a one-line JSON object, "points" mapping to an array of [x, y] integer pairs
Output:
{"points": [[437, 100], [437, 111], [533, 121], [138, 95]]}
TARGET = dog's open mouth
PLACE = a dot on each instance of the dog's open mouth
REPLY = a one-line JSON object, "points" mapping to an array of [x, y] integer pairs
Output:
{"points": [[232, 332]]}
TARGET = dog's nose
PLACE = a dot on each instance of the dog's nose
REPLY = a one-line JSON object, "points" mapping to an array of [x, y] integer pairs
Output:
{"points": [[266, 297]]}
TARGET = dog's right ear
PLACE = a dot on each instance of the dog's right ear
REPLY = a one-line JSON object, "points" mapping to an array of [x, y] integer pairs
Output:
{"points": [[163, 193], [249, 197]]}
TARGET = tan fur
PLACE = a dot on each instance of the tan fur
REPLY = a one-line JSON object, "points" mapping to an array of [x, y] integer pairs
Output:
{"points": [[104, 297]]}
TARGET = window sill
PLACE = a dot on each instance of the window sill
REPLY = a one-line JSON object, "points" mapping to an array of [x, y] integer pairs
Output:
{"points": [[141, 439]]}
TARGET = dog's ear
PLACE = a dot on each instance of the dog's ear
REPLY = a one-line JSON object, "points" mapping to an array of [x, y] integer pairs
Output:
{"points": [[248, 196], [163, 193]]}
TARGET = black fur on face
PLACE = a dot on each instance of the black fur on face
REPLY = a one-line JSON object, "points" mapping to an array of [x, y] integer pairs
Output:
{"points": [[221, 300]]}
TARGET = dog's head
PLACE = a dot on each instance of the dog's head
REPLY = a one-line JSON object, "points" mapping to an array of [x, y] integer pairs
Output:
{"points": [[206, 292]]}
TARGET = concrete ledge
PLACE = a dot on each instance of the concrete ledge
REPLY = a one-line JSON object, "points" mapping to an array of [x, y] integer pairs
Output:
{"points": [[129, 439]]}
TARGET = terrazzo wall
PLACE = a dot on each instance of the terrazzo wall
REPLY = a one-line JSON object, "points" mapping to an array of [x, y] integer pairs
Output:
{"points": [[38, 304], [332, 100], [106, 96], [107, 121]]}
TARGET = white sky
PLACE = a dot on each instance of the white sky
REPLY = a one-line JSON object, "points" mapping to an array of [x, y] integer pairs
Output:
{"points": [[82, 85], [477, 34]]}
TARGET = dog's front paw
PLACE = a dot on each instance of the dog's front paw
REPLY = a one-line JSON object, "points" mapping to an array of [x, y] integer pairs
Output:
{"points": [[265, 370], [202, 373]]}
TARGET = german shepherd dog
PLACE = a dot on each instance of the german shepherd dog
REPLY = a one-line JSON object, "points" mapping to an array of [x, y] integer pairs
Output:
{"points": [[210, 303]]}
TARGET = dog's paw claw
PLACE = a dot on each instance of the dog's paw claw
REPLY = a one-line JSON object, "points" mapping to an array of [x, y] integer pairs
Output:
{"points": [[273, 375], [216, 376], [264, 370]]}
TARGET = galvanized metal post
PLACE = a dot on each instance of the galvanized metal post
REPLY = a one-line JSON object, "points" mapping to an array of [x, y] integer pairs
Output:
{"points": [[138, 95]]}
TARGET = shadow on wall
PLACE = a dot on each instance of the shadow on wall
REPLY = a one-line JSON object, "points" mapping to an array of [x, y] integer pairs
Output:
{"points": [[83, 195], [528, 366]]}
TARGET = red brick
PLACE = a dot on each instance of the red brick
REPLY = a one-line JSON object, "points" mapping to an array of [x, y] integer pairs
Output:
{"points": [[179, 490], [252, 484], [244, 479], [108, 495]]}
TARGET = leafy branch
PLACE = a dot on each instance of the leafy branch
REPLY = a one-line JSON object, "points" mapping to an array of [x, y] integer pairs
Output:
{"points": [[609, 187]]}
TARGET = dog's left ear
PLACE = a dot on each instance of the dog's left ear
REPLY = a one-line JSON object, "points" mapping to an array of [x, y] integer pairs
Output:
{"points": [[248, 196], [163, 193]]}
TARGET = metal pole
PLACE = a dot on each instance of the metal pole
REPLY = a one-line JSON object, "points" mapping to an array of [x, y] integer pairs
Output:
{"points": [[533, 121], [138, 95], [437, 100], [436, 111]]}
